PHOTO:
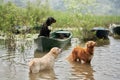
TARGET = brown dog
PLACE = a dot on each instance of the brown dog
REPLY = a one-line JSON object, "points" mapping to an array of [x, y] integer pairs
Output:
{"points": [[83, 54], [45, 62]]}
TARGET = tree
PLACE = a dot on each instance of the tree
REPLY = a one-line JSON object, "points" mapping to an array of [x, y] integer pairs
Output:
{"points": [[77, 6]]}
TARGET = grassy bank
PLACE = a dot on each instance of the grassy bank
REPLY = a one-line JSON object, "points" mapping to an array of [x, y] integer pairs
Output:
{"points": [[12, 15]]}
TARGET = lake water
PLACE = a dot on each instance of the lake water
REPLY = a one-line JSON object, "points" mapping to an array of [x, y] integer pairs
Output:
{"points": [[105, 64]]}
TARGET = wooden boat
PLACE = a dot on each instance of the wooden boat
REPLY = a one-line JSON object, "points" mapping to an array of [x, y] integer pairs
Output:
{"points": [[115, 29], [58, 38], [101, 33]]}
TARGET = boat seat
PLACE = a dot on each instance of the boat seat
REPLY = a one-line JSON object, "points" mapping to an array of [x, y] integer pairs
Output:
{"points": [[62, 35]]}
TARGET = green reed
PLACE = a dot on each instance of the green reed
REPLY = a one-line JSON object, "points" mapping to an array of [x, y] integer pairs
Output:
{"points": [[12, 15]]}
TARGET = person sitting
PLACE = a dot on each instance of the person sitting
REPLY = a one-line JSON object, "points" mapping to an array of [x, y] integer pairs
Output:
{"points": [[45, 31]]}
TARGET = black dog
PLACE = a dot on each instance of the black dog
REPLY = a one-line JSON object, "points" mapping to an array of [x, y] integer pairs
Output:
{"points": [[44, 31]]}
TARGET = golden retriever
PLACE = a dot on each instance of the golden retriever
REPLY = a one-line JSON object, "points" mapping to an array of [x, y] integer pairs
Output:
{"points": [[83, 54], [45, 62]]}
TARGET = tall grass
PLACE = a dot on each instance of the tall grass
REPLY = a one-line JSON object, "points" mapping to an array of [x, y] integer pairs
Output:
{"points": [[83, 23], [12, 15], [33, 14]]}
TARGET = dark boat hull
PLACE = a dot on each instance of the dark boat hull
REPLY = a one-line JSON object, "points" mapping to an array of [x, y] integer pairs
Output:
{"points": [[101, 33], [116, 30]]}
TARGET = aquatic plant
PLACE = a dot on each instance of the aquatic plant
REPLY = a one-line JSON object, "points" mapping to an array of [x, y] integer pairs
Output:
{"points": [[34, 14]]}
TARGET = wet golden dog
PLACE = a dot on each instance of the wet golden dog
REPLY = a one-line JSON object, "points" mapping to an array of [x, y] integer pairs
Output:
{"points": [[83, 54], [45, 62]]}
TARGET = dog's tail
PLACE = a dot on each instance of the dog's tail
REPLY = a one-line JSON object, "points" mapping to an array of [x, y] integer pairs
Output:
{"points": [[31, 63]]}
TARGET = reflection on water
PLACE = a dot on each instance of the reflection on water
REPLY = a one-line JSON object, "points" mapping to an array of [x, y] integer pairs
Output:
{"points": [[14, 63], [106, 61], [43, 75], [81, 71], [104, 66]]}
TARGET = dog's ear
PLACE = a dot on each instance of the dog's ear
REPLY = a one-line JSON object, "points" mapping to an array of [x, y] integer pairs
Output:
{"points": [[56, 50], [90, 43], [93, 43], [87, 45], [53, 51]]}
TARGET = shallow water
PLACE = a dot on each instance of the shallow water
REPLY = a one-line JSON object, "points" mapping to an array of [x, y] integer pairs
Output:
{"points": [[105, 64]]}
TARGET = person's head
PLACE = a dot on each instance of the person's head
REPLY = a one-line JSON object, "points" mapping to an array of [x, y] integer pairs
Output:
{"points": [[50, 20]]}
